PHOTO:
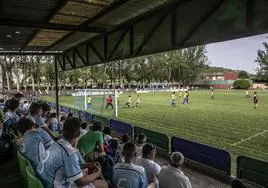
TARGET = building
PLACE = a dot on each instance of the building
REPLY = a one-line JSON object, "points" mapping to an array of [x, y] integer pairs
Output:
{"points": [[220, 80]]}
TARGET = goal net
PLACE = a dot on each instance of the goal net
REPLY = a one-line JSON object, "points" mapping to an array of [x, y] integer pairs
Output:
{"points": [[96, 100]]}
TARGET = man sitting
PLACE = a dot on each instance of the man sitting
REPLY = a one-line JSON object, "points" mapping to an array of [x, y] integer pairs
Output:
{"points": [[61, 166], [92, 140], [152, 169], [171, 176], [34, 141], [127, 174]]}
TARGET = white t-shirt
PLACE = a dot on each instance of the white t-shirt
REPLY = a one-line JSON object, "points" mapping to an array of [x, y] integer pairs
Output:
{"points": [[152, 169], [139, 151], [171, 177]]}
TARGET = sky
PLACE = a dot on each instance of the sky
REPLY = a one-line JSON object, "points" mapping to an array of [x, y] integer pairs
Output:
{"points": [[238, 54]]}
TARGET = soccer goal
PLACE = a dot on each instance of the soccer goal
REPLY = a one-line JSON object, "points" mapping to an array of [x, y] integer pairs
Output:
{"points": [[95, 100]]}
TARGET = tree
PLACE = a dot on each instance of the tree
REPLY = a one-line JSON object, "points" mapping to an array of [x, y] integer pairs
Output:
{"points": [[243, 75], [241, 84], [262, 60]]}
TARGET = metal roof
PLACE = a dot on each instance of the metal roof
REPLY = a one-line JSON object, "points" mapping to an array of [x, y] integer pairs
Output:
{"points": [[96, 31]]}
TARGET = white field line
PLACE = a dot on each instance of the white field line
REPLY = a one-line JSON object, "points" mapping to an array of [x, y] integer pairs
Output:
{"points": [[251, 137]]}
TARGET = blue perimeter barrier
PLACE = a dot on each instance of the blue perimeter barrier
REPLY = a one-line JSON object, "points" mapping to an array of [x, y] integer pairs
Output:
{"points": [[121, 127], [65, 109], [85, 116], [203, 154]]}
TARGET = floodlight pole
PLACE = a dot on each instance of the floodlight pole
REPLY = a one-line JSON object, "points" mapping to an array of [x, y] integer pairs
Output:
{"points": [[57, 86]]}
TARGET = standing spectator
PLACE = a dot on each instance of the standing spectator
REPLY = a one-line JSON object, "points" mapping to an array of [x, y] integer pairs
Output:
{"points": [[62, 120], [53, 123], [63, 165], [25, 107], [171, 176], [109, 102], [92, 140], [152, 169], [127, 174], [141, 140], [34, 111]]}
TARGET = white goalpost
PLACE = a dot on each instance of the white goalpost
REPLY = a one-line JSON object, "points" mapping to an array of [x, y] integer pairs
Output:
{"points": [[94, 100]]}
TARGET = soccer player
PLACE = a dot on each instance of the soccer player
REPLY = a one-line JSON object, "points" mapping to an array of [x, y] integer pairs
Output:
{"points": [[127, 174], [138, 101], [247, 94], [255, 99], [212, 94], [129, 101], [109, 102], [186, 98], [180, 94], [173, 100], [63, 164], [88, 102]]}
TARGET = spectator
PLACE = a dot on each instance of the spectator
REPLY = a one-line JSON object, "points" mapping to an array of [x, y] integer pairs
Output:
{"points": [[107, 134], [152, 169], [141, 140], [171, 176], [62, 168], [62, 120], [41, 119], [34, 111], [118, 156], [25, 107], [53, 123], [34, 141], [127, 174], [70, 115], [83, 130], [92, 140], [18, 96], [11, 117]]}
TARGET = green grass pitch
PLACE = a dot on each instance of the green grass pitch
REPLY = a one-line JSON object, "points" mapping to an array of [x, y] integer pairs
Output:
{"points": [[228, 121]]}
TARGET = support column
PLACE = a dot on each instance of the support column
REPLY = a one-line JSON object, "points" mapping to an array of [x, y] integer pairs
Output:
{"points": [[57, 85]]}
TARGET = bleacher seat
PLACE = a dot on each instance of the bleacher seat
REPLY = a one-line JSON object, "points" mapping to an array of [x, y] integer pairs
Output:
{"points": [[32, 180], [23, 163]]}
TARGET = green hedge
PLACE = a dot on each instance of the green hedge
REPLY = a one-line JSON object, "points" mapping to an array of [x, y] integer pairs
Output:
{"points": [[241, 84]]}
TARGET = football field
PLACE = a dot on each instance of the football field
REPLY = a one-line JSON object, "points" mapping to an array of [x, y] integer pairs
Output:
{"points": [[229, 121]]}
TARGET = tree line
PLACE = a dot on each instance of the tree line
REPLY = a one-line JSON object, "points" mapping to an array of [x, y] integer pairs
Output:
{"points": [[181, 66]]}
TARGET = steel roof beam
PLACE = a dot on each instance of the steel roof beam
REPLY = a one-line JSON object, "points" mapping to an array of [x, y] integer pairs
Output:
{"points": [[52, 26]]}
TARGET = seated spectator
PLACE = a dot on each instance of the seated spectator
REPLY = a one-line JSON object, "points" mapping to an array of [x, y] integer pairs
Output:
{"points": [[92, 140], [107, 134], [53, 123], [83, 129], [171, 176], [127, 174], [34, 142], [62, 120], [152, 169], [35, 110], [141, 140], [63, 165], [11, 117], [70, 115], [118, 156]]}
